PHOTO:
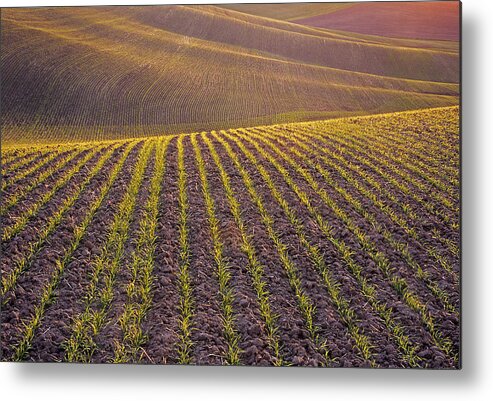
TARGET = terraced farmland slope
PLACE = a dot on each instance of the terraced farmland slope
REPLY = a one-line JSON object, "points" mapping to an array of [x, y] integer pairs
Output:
{"points": [[94, 73], [325, 243]]}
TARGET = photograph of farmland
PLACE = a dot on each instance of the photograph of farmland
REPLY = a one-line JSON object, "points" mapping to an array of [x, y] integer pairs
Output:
{"points": [[240, 184]]}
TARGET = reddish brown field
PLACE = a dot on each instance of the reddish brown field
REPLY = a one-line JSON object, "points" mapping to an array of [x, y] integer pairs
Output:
{"points": [[413, 20]]}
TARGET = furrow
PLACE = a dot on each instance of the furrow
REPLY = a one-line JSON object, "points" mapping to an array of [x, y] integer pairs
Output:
{"points": [[42, 162], [305, 303], [400, 247], [222, 265], [20, 221], [85, 327], [398, 283], [389, 178], [15, 164], [22, 191], [23, 262], [186, 303], [406, 158], [450, 210], [377, 195], [255, 269], [367, 289], [346, 313], [49, 292]]}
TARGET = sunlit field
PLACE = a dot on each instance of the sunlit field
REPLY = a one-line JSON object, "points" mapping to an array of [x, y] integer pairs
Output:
{"points": [[226, 186]]}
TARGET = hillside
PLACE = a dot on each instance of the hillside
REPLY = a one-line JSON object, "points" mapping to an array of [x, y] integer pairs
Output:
{"points": [[438, 20], [288, 11], [72, 74]]}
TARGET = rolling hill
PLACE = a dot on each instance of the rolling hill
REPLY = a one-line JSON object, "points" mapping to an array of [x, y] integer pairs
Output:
{"points": [[288, 11], [436, 20], [206, 185], [72, 74]]}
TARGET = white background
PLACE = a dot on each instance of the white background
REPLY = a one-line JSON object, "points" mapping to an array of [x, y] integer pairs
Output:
{"points": [[78, 382]]}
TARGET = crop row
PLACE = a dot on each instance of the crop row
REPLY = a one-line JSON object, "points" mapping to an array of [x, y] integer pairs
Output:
{"points": [[321, 227]]}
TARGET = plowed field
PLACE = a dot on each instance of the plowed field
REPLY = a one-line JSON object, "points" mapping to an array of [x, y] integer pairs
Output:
{"points": [[326, 243]]}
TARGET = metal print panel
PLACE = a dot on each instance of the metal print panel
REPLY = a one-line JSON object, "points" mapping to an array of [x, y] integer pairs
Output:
{"points": [[243, 184]]}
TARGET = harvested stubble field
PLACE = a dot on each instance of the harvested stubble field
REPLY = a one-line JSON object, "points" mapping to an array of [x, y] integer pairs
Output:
{"points": [[327, 243]]}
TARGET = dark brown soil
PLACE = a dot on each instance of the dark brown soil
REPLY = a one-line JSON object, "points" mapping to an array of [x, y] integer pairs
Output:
{"points": [[426, 221], [344, 346], [37, 192], [19, 245], [371, 272], [161, 321], [55, 327], [249, 323], [112, 329], [38, 156], [299, 348], [209, 343]]}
